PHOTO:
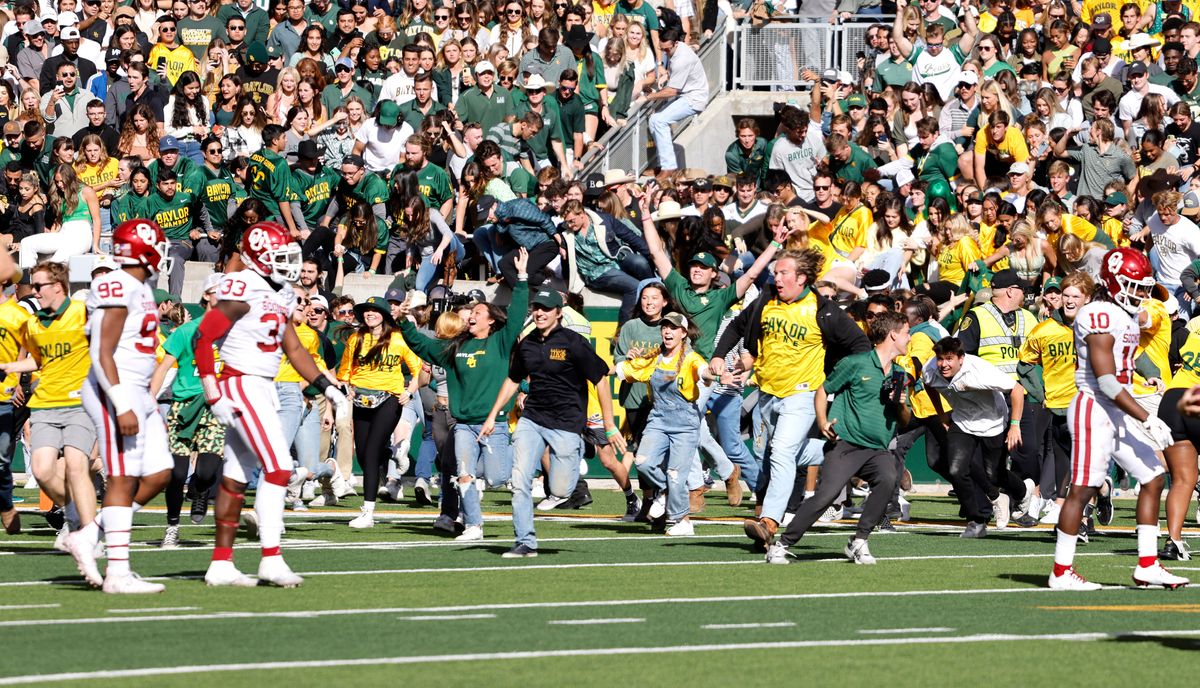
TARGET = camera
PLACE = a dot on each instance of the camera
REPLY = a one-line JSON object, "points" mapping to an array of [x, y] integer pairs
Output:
{"points": [[442, 300], [894, 386]]}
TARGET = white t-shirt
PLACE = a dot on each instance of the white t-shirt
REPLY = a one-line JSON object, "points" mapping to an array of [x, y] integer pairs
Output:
{"points": [[384, 146], [1130, 103], [977, 393], [1177, 246], [800, 162]]}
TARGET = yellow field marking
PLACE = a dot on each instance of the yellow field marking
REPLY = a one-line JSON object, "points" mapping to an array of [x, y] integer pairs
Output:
{"points": [[1178, 608]]}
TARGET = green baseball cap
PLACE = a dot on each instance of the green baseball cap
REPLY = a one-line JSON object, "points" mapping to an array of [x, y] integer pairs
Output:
{"points": [[550, 298], [1116, 198], [162, 296], [856, 100], [705, 259], [257, 52], [389, 113], [1054, 283]]}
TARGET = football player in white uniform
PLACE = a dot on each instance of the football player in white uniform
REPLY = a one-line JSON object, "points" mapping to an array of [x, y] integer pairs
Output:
{"points": [[252, 325], [1108, 424], [122, 334]]}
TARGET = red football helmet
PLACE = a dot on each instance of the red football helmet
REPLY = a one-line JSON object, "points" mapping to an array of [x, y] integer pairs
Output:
{"points": [[1126, 271], [269, 249], [141, 242]]}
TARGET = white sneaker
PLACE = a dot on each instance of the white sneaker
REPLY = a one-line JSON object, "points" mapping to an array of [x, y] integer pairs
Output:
{"points": [[309, 491], [296, 483], [787, 520], [83, 550], [327, 498], [1157, 575], [298, 505], [1001, 510], [60, 540], [682, 528], [365, 519], [402, 461], [422, 493], [471, 534], [1036, 506], [1070, 580], [1050, 516], [1023, 506], [658, 506], [130, 584], [341, 488], [394, 489], [170, 540], [537, 490], [550, 503], [905, 509], [224, 573], [274, 570], [831, 514], [778, 554], [857, 552]]}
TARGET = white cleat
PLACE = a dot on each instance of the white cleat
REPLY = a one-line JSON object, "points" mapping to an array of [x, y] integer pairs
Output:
{"points": [[1025, 502], [778, 554], [130, 584], [60, 540], [1158, 576], [249, 521], [364, 520], [274, 570], [857, 552], [1001, 506], [550, 503], [225, 574], [1050, 517], [170, 538], [1069, 580], [83, 550], [471, 534], [683, 528]]}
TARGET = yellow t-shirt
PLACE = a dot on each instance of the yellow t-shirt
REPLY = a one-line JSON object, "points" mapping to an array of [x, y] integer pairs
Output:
{"points": [[384, 374], [1013, 144], [846, 231], [311, 342], [920, 346], [12, 317], [1189, 375], [603, 14], [94, 175], [987, 245], [1115, 230], [687, 382], [791, 354], [953, 260], [1052, 345], [179, 60], [61, 351], [1155, 343]]}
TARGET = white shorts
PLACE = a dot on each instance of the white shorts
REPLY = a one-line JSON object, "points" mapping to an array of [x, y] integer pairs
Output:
{"points": [[143, 454], [257, 435], [1102, 432]]}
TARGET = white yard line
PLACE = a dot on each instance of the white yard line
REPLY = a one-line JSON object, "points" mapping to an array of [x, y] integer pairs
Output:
{"points": [[898, 631], [595, 652], [10, 607], [741, 626], [150, 610], [452, 617], [593, 622], [219, 616]]}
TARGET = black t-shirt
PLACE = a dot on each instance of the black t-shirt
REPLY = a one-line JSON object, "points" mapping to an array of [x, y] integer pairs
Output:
{"points": [[258, 86], [558, 367], [107, 134], [1189, 140]]}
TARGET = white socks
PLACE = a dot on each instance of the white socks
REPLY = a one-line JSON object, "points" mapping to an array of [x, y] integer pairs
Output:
{"points": [[119, 522], [268, 505]]}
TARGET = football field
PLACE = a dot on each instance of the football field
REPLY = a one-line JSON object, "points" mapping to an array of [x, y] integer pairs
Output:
{"points": [[606, 602]]}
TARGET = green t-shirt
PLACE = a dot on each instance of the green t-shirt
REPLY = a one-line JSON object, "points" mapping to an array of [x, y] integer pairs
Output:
{"points": [[852, 169], [473, 106], [705, 310], [552, 127], [332, 98], [433, 183], [176, 215], [179, 345], [316, 191], [270, 179], [411, 113], [862, 417], [190, 177], [215, 195], [197, 34], [644, 15], [128, 206], [571, 116]]}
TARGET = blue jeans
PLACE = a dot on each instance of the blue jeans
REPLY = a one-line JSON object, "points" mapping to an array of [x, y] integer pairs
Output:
{"points": [[617, 282], [665, 456], [660, 128], [427, 454], [728, 409], [781, 434], [291, 409], [428, 272], [308, 440], [493, 454], [634, 264], [191, 149], [487, 239], [7, 449], [529, 442]]}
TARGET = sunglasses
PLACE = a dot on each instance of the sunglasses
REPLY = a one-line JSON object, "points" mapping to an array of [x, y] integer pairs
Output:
{"points": [[507, 79], [821, 188], [513, 13], [441, 17], [567, 89], [166, 29], [319, 310], [345, 311], [38, 286], [215, 151], [67, 74], [237, 28]]}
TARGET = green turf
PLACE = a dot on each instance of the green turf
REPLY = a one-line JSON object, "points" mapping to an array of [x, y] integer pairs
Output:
{"points": [[453, 612]]}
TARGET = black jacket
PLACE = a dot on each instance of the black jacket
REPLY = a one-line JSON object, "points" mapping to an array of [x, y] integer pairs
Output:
{"points": [[841, 334]]}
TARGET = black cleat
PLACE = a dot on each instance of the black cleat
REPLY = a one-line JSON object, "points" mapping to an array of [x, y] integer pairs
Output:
{"points": [[1104, 505], [1175, 552], [200, 508], [579, 498], [56, 518]]}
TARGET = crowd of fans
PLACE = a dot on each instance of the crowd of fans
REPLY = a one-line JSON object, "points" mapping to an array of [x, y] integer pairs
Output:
{"points": [[983, 162]]}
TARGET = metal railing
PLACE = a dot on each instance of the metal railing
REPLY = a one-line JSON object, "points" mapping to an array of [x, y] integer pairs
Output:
{"points": [[631, 147], [775, 54]]}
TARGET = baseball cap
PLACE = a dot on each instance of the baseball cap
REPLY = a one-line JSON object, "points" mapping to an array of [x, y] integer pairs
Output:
{"points": [[1019, 168], [1191, 204], [702, 185], [593, 184], [549, 298], [1136, 68], [395, 294], [112, 55], [69, 34], [124, 12], [274, 51], [162, 296], [168, 143], [344, 63], [675, 318], [257, 52], [968, 77], [353, 159], [857, 99], [1102, 46], [1102, 20], [213, 281], [318, 300], [704, 258], [484, 66], [389, 113], [104, 262], [417, 299], [52, 18], [723, 181], [33, 28], [1115, 198], [1007, 278], [12, 128], [1052, 284], [67, 19], [844, 78], [830, 75]]}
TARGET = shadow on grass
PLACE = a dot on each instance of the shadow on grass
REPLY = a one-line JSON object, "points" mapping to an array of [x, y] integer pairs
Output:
{"points": [[1030, 579], [1171, 643]]}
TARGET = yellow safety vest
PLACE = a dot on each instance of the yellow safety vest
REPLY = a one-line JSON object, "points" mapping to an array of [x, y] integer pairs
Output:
{"points": [[998, 344]]}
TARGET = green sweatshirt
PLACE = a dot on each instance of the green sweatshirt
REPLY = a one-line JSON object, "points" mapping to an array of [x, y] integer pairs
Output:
{"points": [[475, 374]]}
